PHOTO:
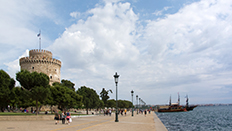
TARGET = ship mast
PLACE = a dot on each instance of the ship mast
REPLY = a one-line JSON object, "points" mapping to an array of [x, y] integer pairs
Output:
{"points": [[187, 104], [170, 103]]}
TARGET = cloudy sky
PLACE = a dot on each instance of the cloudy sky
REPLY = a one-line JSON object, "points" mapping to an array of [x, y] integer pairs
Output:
{"points": [[158, 47]]}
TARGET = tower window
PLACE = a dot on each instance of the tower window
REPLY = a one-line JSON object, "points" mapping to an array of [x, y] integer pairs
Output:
{"points": [[50, 77], [55, 69], [32, 67]]}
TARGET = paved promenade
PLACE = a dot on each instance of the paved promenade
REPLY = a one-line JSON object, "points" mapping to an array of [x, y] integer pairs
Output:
{"points": [[90, 123]]}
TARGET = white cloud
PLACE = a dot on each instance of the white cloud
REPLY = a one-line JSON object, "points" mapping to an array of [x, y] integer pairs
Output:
{"points": [[13, 67], [94, 49], [75, 14], [160, 12], [191, 43]]}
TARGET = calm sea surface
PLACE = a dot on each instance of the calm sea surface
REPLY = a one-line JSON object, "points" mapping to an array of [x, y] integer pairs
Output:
{"points": [[213, 118]]}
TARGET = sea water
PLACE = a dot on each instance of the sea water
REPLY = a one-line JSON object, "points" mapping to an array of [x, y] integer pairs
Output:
{"points": [[210, 118]]}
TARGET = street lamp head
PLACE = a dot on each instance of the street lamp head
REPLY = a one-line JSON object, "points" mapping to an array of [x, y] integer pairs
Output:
{"points": [[137, 96], [116, 77], [132, 92]]}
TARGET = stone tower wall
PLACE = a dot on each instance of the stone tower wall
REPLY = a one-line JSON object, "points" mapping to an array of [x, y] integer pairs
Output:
{"points": [[40, 53], [42, 61]]}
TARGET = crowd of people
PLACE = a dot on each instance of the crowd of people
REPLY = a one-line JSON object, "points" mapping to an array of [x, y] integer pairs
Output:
{"points": [[124, 111], [65, 117], [107, 112]]}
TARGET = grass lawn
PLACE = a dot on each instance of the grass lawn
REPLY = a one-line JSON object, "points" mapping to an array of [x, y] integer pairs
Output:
{"points": [[29, 114], [14, 114]]}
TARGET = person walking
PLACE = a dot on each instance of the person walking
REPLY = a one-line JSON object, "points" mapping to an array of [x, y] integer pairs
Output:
{"points": [[57, 117], [110, 112], [62, 116], [125, 111], [145, 113], [68, 117], [122, 112]]}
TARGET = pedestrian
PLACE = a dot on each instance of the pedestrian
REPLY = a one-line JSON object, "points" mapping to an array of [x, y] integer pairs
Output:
{"points": [[125, 111], [110, 112], [68, 117], [62, 116], [57, 117], [145, 112], [122, 112]]}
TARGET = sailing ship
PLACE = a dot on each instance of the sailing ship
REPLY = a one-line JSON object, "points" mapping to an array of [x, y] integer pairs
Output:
{"points": [[176, 107]]}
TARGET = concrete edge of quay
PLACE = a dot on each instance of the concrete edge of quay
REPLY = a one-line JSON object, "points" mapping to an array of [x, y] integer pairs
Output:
{"points": [[27, 118], [159, 126]]}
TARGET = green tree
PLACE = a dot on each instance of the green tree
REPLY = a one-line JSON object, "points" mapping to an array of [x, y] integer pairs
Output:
{"points": [[90, 97], [16, 97], [24, 98], [65, 97], [104, 96], [111, 103], [124, 104], [35, 84], [6, 84], [49, 101], [101, 104], [68, 84]]}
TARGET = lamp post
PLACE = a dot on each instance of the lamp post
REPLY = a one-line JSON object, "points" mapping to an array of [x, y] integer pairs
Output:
{"points": [[132, 103], [116, 82], [137, 103]]}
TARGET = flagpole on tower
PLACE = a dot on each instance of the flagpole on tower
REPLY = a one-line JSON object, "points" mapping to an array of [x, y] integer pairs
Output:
{"points": [[39, 35]]}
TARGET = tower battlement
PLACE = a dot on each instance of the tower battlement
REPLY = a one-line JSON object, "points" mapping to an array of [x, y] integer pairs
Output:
{"points": [[38, 59], [42, 53]]}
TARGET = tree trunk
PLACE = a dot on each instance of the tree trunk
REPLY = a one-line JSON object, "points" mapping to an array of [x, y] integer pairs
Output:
{"points": [[51, 109], [37, 111], [2, 109], [87, 112]]}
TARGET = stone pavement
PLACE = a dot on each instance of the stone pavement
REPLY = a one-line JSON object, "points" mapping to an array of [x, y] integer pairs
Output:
{"points": [[90, 123]]}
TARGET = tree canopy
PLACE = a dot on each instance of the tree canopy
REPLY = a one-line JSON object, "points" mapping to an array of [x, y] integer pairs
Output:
{"points": [[6, 84], [35, 84], [104, 96], [65, 97], [36, 91], [90, 97], [111, 103], [68, 84], [124, 104]]}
